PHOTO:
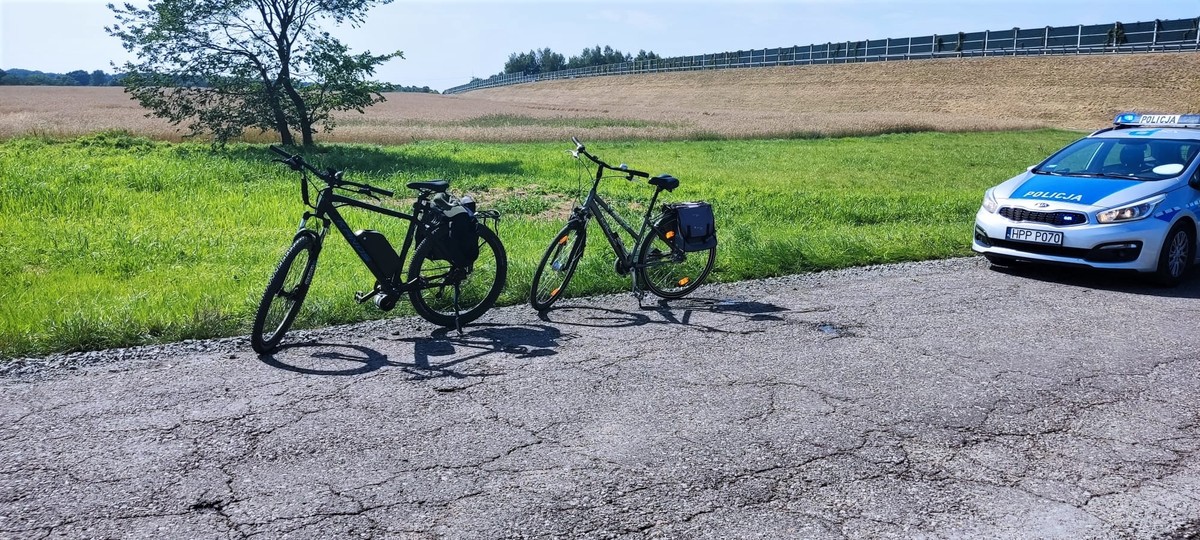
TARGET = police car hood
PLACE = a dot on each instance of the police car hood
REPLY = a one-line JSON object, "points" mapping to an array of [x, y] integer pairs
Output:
{"points": [[1077, 190]]}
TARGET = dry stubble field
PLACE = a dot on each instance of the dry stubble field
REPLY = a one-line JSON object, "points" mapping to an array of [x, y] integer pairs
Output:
{"points": [[1076, 92]]}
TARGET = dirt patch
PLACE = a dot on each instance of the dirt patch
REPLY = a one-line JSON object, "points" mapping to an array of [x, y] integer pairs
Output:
{"points": [[958, 94]]}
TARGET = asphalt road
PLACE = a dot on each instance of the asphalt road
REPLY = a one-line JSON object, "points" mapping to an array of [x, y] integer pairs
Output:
{"points": [[931, 400]]}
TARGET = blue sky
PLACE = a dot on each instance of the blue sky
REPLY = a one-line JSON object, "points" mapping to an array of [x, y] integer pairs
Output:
{"points": [[447, 42]]}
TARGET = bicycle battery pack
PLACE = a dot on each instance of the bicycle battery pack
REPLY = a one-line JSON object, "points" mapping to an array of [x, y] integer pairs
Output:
{"points": [[380, 251]]}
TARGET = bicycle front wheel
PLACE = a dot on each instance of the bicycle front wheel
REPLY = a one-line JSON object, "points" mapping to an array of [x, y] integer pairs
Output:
{"points": [[669, 272], [451, 296], [557, 266], [284, 295]]}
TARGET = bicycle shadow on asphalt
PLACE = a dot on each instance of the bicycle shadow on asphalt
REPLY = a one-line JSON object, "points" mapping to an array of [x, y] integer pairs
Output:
{"points": [[437, 356], [1105, 280], [680, 311]]}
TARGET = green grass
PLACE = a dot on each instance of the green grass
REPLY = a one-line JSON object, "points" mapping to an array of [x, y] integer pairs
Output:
{"points": [[110, 240]]}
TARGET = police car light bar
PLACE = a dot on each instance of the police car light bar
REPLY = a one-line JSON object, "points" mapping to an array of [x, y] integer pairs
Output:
{"points": [[1136, 119]]}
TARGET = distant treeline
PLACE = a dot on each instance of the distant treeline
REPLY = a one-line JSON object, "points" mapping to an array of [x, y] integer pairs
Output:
{"points": [[25, 77], [415, 89], [546, 60]]}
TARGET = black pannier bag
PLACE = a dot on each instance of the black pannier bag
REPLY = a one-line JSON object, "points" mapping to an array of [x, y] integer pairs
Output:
{"points": [[451, 223], [689, 225]]}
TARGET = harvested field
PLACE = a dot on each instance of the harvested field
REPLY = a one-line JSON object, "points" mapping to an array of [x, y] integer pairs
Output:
{"points": [[1078, 92]]}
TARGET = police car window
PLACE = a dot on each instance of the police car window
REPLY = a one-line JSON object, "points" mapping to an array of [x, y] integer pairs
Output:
{"points": [[1189, 149], [1169, 158], [1126, 157], [1133, 159], [1079, 157]]}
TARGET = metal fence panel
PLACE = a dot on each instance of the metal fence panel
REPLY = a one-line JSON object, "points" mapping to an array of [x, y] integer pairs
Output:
{"points": [[1142, 36]]}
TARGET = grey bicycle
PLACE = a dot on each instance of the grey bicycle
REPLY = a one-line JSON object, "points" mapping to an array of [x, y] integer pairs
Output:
{"points": [[674, 248]]}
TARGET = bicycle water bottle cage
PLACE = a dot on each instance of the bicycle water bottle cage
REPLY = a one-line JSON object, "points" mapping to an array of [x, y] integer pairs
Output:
{"points": [[665, 181], [436, 186]]}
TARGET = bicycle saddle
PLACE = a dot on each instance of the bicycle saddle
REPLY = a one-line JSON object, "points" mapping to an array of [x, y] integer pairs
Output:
{"points": [[436, 186], [665, 181]]}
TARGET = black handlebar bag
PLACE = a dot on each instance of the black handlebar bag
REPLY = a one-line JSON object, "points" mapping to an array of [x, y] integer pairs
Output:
{"points": [[689, 225]]}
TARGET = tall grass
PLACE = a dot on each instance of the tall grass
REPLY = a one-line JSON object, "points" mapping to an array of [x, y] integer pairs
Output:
{"points": [[110, 240]]}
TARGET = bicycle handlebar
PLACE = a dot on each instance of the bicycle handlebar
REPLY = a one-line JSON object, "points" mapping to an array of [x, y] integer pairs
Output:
{"points": [[330, 176], [623, 169]]}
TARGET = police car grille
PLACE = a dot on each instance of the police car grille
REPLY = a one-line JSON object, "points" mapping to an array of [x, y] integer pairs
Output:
{"points": [[1052, 218]]}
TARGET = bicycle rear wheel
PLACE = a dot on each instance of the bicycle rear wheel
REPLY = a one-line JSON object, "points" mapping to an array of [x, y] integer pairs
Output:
{"points": [[284, 295], [477, 286], [668, 272], [558, 265]]}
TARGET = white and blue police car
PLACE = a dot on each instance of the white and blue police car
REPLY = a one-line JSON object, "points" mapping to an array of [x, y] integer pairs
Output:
{"points": [[1122, 198]]}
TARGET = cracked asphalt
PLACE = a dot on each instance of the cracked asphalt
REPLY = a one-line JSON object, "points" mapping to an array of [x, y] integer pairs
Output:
{"points": [[927, 400]]}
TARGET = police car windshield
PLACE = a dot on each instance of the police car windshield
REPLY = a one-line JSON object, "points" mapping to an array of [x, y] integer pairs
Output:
{"points": [[1139, 159]]}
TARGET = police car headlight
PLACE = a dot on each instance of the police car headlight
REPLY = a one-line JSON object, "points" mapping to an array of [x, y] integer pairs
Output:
{"points": [[1131, 212], [989, 201]]}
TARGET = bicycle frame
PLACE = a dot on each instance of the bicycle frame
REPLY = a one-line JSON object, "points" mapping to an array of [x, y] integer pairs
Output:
{"points": [[595, 206], [326, 210]]}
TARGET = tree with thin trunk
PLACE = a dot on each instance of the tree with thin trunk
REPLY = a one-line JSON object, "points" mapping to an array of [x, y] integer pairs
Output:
{"points": [[224, 66]]}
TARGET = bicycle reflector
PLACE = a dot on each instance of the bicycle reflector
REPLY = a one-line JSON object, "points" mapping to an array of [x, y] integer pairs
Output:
{"points": [[684, 281], [670, 235]]}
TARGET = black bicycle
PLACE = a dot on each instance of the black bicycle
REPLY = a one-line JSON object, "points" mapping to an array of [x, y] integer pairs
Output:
{"points": [[673, 250], [457, 271]]}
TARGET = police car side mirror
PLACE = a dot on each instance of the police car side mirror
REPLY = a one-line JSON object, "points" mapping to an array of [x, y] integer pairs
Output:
{"points": [[1194, 181]]}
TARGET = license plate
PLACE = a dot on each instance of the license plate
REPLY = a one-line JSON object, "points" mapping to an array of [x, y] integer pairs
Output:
{"points": [[1031, 236]]}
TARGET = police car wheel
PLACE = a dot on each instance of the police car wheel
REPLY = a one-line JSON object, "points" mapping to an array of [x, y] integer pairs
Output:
{"points": [[1176, 256]]}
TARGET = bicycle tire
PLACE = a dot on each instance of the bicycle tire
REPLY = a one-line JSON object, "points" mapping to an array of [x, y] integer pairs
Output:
{"points": [[557, 266], [668, 272], [479, 285], [285, 294]]}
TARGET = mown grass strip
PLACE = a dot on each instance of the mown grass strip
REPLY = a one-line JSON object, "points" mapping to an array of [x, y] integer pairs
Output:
{"points": [[110, 240]]}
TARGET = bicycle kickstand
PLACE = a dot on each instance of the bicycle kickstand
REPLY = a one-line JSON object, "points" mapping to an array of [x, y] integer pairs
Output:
{"points": [[637, 291], [457, 324]]}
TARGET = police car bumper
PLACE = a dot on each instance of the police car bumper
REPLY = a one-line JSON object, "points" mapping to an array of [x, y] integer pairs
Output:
{"points": [[1133, 245]]}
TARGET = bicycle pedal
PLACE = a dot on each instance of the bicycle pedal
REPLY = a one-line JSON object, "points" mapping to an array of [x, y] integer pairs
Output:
{"points": [[362, 297]]}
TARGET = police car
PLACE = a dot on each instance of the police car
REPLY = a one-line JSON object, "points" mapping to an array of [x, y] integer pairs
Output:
{"points": [[1123, 198]]}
